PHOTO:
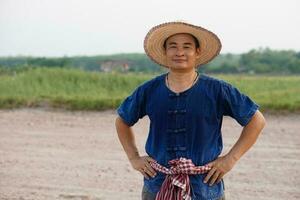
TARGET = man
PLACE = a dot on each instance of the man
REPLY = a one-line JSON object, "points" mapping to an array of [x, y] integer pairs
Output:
{"points": [[185, 111]]}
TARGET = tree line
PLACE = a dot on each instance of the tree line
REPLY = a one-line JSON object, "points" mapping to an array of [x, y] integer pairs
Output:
{"points": [[256, 61]]}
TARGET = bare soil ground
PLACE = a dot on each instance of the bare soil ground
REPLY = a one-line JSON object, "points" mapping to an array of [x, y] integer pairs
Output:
{"points": [[50, 154]]}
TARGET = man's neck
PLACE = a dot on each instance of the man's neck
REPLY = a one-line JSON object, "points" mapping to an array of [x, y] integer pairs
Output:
{"points": [[178, 82], [182, 77]]}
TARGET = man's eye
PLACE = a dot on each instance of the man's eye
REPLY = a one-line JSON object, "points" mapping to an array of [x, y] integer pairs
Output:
{"points": [[187, 47]]}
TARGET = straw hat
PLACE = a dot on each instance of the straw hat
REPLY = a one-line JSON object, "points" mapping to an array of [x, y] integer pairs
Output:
{"points": [[210, 44]]}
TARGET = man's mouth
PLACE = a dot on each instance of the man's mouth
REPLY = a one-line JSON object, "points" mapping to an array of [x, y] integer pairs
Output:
{"points": [[179, 60]]}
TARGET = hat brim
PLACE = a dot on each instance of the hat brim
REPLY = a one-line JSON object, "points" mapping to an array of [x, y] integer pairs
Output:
{"points": [[210, 44]]}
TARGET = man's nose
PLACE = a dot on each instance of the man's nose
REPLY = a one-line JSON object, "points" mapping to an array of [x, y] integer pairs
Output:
{"points": [[179, 52]]}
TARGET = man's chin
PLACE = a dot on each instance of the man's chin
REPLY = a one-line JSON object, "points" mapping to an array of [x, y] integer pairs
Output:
{"points": [[179, 65]]}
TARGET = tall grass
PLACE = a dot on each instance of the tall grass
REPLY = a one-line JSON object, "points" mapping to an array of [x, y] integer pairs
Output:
{"points": [[67, 88], [278, 93], [80, 90]]}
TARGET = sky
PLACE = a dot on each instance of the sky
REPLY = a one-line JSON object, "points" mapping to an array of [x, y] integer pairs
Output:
{"points": [[55, 28]]}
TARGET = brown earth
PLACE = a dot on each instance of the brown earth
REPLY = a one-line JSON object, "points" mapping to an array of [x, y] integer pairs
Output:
{"points": [[49, 154]]}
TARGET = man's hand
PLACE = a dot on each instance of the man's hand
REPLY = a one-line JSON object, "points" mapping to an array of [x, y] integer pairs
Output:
{"points": [[219, 168], [224, 164], [141, 164]]}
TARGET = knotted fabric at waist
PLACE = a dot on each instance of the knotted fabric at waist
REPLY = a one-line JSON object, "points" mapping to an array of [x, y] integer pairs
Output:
{"points": [[176, 185]]}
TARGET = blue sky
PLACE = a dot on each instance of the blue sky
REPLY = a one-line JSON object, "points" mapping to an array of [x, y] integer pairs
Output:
{"points": [[93, 27]]}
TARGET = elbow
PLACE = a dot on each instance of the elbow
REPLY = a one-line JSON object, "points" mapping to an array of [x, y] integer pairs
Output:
{"points": [[257, 122], [264, 122], [260, 120]]}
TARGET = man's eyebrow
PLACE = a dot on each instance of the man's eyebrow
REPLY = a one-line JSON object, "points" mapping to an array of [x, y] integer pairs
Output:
{"points": [[172, 43], [187, 43]]}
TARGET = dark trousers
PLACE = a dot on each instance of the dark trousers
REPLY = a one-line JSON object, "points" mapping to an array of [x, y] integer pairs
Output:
{"points": [[146, 195]]}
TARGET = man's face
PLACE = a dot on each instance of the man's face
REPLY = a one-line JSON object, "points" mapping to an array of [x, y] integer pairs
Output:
{"points": [[181, 52]]}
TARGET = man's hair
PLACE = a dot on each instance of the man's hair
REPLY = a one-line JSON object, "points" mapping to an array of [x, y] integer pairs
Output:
{"points": [[195, 40]]}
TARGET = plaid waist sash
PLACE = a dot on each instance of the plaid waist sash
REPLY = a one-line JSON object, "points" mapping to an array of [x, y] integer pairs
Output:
{"points": [[176, 185]]}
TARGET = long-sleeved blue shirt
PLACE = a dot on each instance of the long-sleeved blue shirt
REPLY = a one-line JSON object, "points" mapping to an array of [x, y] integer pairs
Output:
{"points": [[186, 124]]}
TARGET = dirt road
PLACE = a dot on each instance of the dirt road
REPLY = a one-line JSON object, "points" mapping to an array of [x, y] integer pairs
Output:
{"points": [[46, 154]]}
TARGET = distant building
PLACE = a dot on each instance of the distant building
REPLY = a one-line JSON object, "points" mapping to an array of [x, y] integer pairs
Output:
{"points": [[115, 65]]}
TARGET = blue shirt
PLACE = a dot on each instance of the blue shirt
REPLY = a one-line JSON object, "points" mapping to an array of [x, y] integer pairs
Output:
{"points": [[186, 124]]}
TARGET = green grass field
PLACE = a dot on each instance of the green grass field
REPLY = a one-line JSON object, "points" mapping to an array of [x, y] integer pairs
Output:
{"points": [[80, 90]]}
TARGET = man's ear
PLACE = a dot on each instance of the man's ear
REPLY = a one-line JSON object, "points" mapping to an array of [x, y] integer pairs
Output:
{"points": [[198, 52], [165, 52]]}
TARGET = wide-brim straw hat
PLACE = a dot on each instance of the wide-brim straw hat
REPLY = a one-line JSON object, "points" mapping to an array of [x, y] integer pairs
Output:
{"points": [[210, 44]]}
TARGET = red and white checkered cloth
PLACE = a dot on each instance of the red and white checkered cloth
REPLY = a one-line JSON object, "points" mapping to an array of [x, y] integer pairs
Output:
{"points": [[176, 186]]}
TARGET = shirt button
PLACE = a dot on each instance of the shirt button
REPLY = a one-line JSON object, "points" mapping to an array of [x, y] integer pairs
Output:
{"points": [[176, 148], [182, 148]]}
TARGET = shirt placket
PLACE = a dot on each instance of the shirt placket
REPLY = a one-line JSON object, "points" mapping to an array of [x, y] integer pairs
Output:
{"points": [[176, 128]]}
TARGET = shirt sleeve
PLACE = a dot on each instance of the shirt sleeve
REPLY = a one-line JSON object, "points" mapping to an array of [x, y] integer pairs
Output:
{"points": [[237, 105], [133, 107]]}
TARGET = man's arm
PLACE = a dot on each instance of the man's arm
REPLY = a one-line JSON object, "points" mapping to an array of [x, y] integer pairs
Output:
{"points": [[225, 163], [127, 139]]}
